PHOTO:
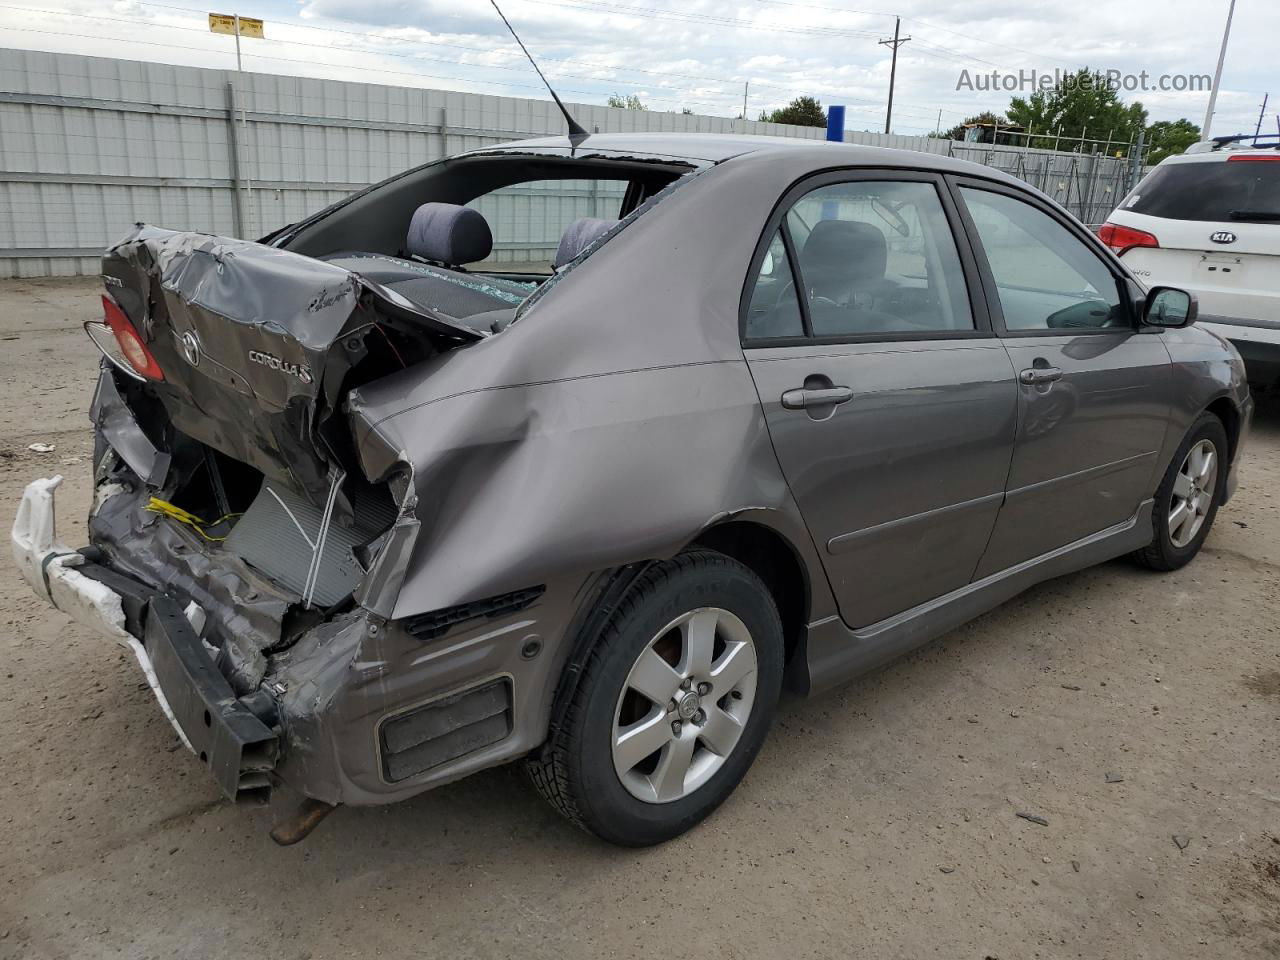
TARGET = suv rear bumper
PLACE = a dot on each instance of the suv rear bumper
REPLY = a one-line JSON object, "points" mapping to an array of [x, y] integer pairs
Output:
{"points": [[233, 741], [1254, 331], [1257, 340]]}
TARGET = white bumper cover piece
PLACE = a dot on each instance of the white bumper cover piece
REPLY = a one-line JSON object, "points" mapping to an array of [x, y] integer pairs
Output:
{"points": [[1241, 331], [49, 566]]}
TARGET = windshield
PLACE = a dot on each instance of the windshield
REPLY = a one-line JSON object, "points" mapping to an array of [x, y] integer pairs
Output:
{"points": [[1241, 188]]}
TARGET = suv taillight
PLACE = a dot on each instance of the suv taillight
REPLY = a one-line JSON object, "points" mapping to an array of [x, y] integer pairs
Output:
{"points": [[131, 345], [1120, 238]]}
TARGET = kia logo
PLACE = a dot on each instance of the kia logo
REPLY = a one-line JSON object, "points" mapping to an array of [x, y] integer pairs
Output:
{"points": [[1223, 236]]}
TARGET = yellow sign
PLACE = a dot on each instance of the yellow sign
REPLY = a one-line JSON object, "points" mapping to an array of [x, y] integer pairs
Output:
{"points": [[226, 23]]}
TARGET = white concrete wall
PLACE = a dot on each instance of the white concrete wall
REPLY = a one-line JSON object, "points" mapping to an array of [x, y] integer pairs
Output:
{"points": [[89, 145]]}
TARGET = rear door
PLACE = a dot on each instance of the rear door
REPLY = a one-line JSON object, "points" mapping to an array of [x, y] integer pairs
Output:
{"points": [[1093, 390], [890, 402]]}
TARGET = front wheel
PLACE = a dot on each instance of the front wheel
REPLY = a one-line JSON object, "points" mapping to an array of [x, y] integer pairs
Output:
{"points": [[672, 705], [1187, 499]]}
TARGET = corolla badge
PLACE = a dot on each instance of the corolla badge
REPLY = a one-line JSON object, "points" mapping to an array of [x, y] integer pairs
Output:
{"points": [[298, 371], [1222, 236], [191, 348]]}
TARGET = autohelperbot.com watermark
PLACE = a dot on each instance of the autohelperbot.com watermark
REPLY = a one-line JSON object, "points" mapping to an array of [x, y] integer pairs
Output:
{"points": [[1031, 81]]}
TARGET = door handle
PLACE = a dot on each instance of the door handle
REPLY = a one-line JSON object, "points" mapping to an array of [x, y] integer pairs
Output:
{"points": [[804, 399], [1038, 375]]}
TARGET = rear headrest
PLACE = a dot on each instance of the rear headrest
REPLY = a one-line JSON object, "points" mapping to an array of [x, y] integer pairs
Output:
{"points": [[448, 233], [845, 251], [578, 236]]}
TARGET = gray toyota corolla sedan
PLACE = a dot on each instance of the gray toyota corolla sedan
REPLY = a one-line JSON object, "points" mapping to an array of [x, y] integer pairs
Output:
{"points": [[377, 506]]}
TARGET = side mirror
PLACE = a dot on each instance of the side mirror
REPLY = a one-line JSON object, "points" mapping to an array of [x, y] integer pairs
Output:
{"points": [[1169, 307]]}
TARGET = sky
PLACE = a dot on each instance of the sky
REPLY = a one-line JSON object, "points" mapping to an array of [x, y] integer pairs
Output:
{"points": [[699, 54]]}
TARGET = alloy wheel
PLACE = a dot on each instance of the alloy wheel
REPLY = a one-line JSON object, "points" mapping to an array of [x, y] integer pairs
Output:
{"points": [[684, 705], [1193, 491]]}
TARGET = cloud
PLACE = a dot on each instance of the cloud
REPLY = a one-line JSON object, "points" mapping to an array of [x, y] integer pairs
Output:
{"points": [[699, 53]]}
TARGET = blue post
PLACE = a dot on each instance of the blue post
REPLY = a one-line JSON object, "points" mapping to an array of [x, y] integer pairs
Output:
{"points": [[835, 124]]}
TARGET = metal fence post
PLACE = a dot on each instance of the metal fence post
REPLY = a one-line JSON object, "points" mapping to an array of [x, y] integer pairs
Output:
{"points": [[1135, 162], [1086, 209], [237, 182]]}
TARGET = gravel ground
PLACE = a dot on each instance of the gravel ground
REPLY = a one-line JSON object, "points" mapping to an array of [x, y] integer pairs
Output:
{"points": [[1125, 708]]}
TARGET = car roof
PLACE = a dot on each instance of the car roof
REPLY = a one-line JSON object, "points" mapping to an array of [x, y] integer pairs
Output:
{"points": [[708, 147], [718, 147]]}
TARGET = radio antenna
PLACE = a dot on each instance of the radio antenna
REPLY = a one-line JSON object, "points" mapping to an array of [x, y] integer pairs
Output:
{"points": [[576, 133]]}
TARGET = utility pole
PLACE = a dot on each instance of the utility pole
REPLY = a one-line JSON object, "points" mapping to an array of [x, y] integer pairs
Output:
{"points": [[894, 44], [937, 131], [1261, 113], [238, 26], [1217, 75], [746, 85]]}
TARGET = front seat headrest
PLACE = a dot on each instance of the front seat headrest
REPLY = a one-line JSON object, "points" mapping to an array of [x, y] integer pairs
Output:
{"points": [[448, 233], [844, 251], [578, 236]]}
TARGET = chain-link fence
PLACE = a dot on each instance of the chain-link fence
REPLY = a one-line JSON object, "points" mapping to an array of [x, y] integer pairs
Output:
{"points": [[1090, 185]]}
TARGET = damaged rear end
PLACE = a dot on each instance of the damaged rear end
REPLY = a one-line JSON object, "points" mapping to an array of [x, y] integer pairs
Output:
{"points": [[233, 534]]}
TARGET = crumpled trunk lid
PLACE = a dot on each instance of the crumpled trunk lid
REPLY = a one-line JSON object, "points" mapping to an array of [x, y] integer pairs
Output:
{"points": [[258, 345]]}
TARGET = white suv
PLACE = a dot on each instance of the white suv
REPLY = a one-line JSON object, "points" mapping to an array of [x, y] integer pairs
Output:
{"points": [[1208, 221]]}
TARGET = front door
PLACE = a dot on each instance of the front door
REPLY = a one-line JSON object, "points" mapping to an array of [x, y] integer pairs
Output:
{"points": [[1093, 391], [890, 403]]}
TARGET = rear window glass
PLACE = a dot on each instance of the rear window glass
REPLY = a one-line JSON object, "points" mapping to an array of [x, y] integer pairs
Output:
{"points": [[1229, 190], [527, 219]]}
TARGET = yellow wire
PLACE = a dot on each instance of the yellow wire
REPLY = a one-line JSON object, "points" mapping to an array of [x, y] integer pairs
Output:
{"points": [[174, 512]]}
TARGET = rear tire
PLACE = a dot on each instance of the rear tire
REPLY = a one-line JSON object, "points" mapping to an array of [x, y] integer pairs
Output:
{"points": [[637, 764], [1188, 497]]}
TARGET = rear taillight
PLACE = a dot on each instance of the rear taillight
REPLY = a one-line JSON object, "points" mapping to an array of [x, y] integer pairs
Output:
{"points": [[1253, 158], [129, 340], [1120, 238]]}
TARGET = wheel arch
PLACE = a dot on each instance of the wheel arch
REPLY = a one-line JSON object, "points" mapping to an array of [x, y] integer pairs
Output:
{"points": [[775, 560], [769, 554], [1225, 409]]}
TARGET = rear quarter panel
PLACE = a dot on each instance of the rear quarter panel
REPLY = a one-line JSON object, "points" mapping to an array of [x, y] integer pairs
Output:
{"points": [[541, 481]]}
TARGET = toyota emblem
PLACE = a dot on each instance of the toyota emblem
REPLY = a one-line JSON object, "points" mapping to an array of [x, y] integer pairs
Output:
{"points": [[191, 348]]}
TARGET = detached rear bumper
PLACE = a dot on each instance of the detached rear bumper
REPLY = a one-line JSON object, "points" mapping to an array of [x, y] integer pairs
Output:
{"points": [[239, 745]]}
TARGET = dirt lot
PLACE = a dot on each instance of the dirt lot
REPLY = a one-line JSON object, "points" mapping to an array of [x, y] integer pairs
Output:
{"points": [[879, 821]]}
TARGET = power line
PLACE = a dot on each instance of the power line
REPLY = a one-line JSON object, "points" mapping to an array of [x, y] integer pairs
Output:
{"points": [[457, 46], [312, 63], [485, 50], [683, 17], [919, 20], [417, 57], [329, 47]]}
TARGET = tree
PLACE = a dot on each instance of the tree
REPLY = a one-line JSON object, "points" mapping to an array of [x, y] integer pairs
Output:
{"points": [[989, 121], [1082, 104], [804, 111], [1167, 137], [629, 102]]}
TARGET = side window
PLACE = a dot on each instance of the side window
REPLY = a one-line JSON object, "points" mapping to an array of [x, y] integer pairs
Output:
{"points": [[1046, 277], [774, 310], [878, 258]]}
